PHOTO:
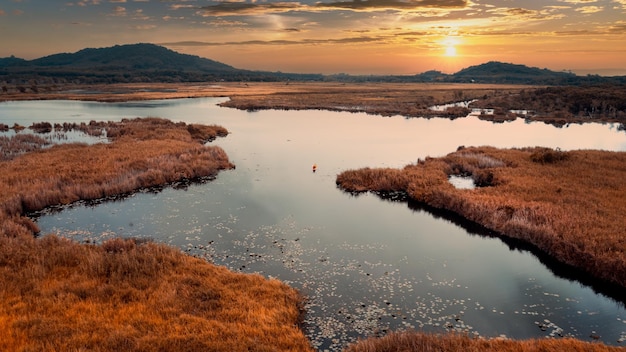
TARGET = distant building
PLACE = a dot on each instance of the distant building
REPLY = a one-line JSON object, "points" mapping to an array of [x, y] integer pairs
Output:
{"points": [[480, 111]]}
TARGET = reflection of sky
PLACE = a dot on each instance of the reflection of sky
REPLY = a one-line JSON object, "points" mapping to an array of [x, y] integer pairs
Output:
{"points": [[387, 36], [332, 240]]}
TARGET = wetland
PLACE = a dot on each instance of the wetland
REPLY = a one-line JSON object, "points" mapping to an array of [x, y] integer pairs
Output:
{"points": [[366, 265]]}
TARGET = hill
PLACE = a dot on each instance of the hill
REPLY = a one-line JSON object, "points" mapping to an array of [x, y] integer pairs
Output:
{"points": [[128, 63], [133, 57], [499, 72], [152, 63]]}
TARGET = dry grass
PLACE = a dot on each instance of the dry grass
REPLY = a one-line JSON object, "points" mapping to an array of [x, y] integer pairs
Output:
{"points": [[421, 342], [570, 205], [386, 99], [58, 295], [19, 144], [406, 99], [145, 153]]}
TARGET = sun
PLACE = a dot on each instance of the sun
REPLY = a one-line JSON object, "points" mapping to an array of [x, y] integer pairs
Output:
{"points": [[449, 44], [450, 51]]}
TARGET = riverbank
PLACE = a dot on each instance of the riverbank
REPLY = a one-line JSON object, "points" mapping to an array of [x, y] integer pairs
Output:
{"points": [[567, 204], [126, 294]]}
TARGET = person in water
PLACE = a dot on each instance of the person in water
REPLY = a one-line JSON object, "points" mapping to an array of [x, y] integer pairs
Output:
{"points": [[314, 167]]}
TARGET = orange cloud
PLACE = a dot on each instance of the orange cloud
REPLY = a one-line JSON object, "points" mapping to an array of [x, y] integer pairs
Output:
{"points": [[232, 8]]}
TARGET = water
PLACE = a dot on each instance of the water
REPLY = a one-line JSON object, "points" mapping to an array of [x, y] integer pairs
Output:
{"points": [[367, 265]]}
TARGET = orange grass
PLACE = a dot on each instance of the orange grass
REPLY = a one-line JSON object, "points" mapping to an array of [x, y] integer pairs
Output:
{"points": [[422, 342], [145, 153], [58, 295], [570, 205]]}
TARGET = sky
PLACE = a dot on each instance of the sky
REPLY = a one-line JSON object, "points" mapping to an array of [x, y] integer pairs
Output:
{"points": [[333, 36]]}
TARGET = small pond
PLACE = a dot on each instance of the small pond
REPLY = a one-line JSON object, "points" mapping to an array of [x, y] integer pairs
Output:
{"points": [[367, 265]]}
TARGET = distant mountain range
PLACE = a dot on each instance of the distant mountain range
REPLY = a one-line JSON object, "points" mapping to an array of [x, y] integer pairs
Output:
{"points": [[153, 63]]}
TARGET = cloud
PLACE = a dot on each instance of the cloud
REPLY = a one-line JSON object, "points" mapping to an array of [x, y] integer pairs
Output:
{"points": [[349, 40], [527, 14], [226, 23], [144, 27], [84, 3], [117, 1], [170, 18], [228, 8], [590, 9], [181, 6], [618, 27], [579, 1], [233, 8], [139, 15], [367, 5], [119, 11]]}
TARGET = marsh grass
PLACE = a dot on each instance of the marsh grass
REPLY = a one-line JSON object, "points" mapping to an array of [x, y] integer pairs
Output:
{"points": [[422, 342], [145, 153], [10, 147], [569, 205], [126, 295], [386, 99]]}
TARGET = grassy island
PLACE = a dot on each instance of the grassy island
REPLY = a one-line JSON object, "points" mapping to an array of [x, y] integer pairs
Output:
{"points": [[125, 295], [569, 205]]}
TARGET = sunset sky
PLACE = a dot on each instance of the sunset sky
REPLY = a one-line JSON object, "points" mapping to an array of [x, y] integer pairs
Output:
{"points": [[334, 36]]}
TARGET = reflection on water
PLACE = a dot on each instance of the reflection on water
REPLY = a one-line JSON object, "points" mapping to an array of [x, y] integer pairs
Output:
{"points": [[367, 265]]}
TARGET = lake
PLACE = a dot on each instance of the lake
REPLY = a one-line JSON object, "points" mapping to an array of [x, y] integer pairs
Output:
{"points": [[366, 265]]}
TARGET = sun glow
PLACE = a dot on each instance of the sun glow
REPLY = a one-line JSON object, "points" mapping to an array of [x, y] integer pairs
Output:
{"points": [[450, 51], [449, 43]]}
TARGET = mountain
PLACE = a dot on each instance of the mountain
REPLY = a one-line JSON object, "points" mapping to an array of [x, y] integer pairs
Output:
{"points": [[494, 72], [130, 63], [133, 57], [499, 72], [11, 61], [153, 63]]}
